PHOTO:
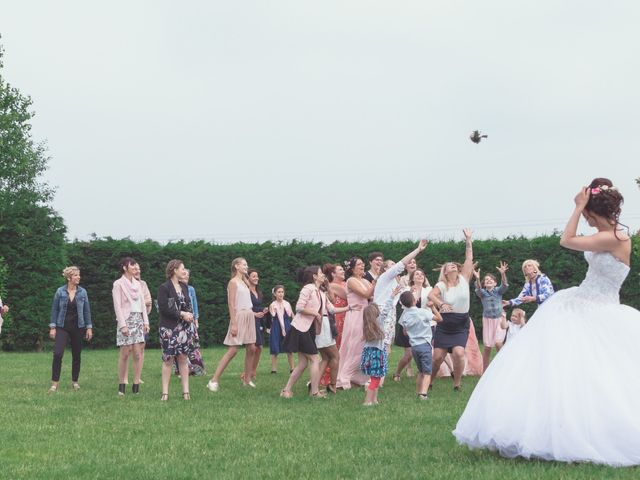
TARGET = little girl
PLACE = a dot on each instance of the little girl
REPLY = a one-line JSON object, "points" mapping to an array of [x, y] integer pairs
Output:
{"points": [[491, 297], [515, 324], [281, 315], [374, 360]]}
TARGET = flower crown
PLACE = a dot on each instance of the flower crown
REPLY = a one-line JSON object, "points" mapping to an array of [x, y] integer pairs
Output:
{"points": [[601, 188]]}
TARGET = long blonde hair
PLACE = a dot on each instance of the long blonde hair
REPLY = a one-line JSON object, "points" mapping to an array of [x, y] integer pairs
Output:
{"points": [[234, 270], [442, 277], [370, 326]]}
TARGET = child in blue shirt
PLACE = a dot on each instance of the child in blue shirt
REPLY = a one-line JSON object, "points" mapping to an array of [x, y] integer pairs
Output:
{"points": [[490, 294], [417, 325]]}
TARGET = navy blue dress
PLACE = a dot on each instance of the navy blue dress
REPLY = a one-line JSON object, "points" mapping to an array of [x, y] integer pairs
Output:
{"points": [[258, 307], [276, 339]]}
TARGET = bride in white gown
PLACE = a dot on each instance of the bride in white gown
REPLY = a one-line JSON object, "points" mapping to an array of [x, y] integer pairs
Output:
{"points": [[549, 393]]}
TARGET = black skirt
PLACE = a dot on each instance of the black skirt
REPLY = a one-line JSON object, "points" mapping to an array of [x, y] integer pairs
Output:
{"points": [[302, 342], [453, 331], [401, 340]]}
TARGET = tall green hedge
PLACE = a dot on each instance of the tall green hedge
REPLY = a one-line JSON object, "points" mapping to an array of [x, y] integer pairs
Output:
{"points": [[278, 262], [33, 245]]}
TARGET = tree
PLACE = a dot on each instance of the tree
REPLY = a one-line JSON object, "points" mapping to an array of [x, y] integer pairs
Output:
{"points": [[32, 235]]}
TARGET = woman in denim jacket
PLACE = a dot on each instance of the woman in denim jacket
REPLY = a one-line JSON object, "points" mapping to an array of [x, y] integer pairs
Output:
{"points": [[70, 320]]}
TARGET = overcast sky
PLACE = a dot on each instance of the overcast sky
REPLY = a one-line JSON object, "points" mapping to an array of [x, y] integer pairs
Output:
{"points": [[254, 120]]}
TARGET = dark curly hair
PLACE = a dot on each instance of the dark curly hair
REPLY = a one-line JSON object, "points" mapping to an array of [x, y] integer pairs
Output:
{"points": [[606, 201], [351, 264]]}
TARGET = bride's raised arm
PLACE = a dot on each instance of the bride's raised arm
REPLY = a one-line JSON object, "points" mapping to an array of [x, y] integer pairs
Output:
{"points": [[603, 241]]}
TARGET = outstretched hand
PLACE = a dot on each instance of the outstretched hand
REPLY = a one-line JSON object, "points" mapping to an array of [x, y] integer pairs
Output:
{"points": [[423, 244], [476, 273], [467, 233], [582, 198], [504, 266]]}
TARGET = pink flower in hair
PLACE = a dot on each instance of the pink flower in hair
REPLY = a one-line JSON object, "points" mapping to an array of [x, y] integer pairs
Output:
{"points": [[595, 191]]}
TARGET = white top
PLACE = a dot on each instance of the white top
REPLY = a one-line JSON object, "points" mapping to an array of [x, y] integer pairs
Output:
{"points": [[243, 296], [457, 297], [385, 285], [136, 305], [513, 330]]}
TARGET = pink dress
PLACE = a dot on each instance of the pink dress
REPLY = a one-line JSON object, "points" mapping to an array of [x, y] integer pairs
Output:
{"points": [[352, 344], [473, 357]]}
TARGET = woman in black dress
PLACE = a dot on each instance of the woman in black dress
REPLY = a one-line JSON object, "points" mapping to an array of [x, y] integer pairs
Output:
{"points": [[176, 328]]}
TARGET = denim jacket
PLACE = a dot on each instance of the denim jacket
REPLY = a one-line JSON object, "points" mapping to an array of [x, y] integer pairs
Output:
{"points": [[194, 301], [59, 308]]}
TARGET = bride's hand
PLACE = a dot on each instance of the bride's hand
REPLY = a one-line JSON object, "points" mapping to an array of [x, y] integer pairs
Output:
{"points": [[582, 197]]}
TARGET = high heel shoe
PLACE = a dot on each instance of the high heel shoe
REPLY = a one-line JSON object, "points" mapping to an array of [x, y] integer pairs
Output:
{"points": [[331, 388]]}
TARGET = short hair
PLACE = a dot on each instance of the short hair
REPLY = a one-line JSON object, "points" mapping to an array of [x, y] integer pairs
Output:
{"points": [[125, 262], [490, 275], [172, 266], [407, 299], [374, 255], [68, 272], [520, 313], [532, 262]]}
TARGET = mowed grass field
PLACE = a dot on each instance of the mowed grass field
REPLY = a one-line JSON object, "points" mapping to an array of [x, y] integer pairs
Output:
{"points": [[238, 432]]}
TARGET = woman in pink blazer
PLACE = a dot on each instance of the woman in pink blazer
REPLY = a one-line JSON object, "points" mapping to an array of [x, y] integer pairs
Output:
{"points": [[312, 305], [133, 322]]}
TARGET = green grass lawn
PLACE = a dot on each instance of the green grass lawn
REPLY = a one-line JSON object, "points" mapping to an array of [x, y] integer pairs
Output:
{"points": [[237, 432]]}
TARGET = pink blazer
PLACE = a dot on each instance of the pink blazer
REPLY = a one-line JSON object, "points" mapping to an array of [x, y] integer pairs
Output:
{"points": [[311, 298], [122, 305]]}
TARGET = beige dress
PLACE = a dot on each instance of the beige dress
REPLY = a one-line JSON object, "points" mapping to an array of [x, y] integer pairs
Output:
{"points": [[244, 318]]}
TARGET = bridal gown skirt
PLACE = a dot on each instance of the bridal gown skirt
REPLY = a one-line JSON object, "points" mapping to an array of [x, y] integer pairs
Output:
{"points": [[566, 388]]}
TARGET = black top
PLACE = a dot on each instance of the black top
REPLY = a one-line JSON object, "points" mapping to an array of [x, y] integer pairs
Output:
{"points": [[71, 317], [170, 304]]}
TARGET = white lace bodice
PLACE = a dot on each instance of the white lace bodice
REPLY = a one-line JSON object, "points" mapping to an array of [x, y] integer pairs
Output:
{"points": [[604, 278]]}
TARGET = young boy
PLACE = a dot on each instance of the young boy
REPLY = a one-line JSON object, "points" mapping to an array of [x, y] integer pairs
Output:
{"points": [[417, 325]]}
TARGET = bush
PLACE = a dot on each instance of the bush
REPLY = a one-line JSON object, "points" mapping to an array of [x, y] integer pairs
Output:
{"points": [[278, 263]]}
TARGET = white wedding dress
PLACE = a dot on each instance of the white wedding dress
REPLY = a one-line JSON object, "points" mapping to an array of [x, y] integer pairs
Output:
{"points": [[567, 386]]}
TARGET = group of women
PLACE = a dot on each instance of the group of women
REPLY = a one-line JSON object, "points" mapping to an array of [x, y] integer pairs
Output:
{"points": [[583, 416], [326, 330]]}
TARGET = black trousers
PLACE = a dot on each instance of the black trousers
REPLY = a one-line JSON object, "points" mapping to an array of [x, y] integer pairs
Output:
{"points": [[63, 336]]}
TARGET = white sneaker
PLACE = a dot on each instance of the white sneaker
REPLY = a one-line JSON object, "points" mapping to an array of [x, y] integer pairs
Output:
{"points": [[213, 386]]}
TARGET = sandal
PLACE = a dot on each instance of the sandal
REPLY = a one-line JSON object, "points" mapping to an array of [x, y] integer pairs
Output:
{"points": [[396, 377], [52, 389], [286, 393], [186, 396], [319, 394], [164, 397]]}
